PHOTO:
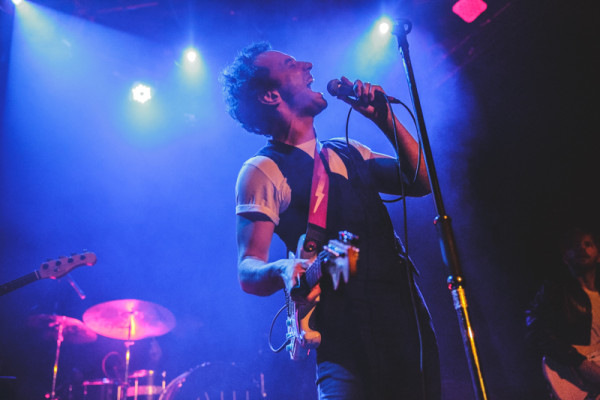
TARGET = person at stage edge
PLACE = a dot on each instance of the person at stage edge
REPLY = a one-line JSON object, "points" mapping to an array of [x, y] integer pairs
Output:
{"points": [[377, 338], [563, 321]]}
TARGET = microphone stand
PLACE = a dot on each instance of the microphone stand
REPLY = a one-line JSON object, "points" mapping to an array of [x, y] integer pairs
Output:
{"points": [[442, 222]]}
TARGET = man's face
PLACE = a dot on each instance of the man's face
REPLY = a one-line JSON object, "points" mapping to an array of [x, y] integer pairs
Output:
{"points": [[583, 253], [294, 79]]}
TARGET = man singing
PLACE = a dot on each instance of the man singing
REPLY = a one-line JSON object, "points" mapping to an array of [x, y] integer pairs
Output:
{"points": [[377, 338]]}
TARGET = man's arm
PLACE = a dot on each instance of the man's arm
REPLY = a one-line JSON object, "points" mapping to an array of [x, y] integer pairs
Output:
{"points": [[408, 148], [256, 275], [542, 320]]}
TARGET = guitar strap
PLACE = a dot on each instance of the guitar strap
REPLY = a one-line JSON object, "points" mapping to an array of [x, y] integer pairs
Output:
{"points": [[319, 194]]}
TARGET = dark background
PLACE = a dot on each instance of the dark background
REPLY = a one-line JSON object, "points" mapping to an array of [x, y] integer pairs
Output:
{"points": [[510, 106]]}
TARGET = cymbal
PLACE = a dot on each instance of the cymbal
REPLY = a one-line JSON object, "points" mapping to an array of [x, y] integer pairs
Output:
{"points": [[73, 330], [129, 319]]}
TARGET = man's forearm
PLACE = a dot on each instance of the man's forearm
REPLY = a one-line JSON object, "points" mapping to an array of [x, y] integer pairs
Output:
{"points": [[408, 153], [259, 277]]}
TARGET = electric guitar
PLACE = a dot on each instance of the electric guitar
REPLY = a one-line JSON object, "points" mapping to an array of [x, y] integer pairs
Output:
{"points": [[338, 259], [566, 383], [51, 269]]}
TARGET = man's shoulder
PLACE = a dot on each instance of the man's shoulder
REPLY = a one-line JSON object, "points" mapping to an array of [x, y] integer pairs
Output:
{"points": [[258, 168], [350, 145], [258, 160]]}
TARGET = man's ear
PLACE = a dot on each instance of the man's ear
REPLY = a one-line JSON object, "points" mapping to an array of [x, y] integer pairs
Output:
{"points": [[270, 97]]}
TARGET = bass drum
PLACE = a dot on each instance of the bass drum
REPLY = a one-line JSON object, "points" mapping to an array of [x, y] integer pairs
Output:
{"points": [[214, 381]]}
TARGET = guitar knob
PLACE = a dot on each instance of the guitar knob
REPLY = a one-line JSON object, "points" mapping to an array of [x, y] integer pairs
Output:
{"points": [[348, 238]]}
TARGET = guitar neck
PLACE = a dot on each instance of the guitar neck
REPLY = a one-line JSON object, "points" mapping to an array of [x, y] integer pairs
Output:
{"points": [[314, 273], [19, 282]]}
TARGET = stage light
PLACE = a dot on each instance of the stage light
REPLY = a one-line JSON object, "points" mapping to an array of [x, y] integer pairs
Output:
{"points": [[469, 10], [375, 48], [384, 27], [191, 66], [141, 93], [191, 55], [17, 2]]}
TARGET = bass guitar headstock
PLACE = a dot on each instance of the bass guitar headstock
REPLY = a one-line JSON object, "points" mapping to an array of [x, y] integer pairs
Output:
{"points": [[54, 269]]}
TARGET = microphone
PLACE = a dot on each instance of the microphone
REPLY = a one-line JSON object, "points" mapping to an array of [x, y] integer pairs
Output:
{"points": [[335, 87]]}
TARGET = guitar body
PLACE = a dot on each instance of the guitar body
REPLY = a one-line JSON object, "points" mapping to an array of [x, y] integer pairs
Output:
{"points": [[299, 334], [338, 259], [566, 383], [301, 337]]}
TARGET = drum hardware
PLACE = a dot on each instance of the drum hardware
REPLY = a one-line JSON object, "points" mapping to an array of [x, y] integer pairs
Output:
{"points": [[129, 320], [144, 384], [61, 328], [220, 380], [103, 389]]}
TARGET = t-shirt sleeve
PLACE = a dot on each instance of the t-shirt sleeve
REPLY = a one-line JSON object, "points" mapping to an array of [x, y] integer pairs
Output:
{"points": [[259, 189], [382, 169]]}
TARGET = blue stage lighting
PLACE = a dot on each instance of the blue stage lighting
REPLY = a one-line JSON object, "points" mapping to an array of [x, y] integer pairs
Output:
{"points": [[191, 55], [192, 66], [141, 93], [384, 27]]}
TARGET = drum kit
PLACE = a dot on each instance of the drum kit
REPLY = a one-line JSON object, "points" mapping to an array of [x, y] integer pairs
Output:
{"points": [[128, 320]]}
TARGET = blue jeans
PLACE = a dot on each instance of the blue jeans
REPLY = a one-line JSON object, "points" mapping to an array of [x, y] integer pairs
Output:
{"points": [[335, 382]]}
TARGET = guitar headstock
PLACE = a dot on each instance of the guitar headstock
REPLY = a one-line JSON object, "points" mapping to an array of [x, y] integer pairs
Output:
{"points": [[61, 266], [344, 257]]}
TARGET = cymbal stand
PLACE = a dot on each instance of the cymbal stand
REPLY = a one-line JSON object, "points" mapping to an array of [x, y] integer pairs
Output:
{"points": [[59, 340], [128, 344]]}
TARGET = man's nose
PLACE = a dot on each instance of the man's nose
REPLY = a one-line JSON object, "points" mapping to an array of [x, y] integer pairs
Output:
{"points": [[581, 250], [307, 65]]}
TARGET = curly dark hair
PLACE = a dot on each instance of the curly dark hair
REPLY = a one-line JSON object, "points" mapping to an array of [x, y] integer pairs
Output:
{"points": [[573, 235], [242, 83]]}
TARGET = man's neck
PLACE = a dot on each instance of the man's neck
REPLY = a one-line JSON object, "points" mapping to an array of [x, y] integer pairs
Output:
{"points": [[587, 280], [297, 131]]}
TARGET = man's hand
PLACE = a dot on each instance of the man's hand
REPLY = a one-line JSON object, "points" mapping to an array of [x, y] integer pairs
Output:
{"points": [[590, 371], [291, 273], [367, 103]]}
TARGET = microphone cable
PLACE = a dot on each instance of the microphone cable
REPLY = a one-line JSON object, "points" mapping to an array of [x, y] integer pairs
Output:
{"points": [[402, 197]]}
